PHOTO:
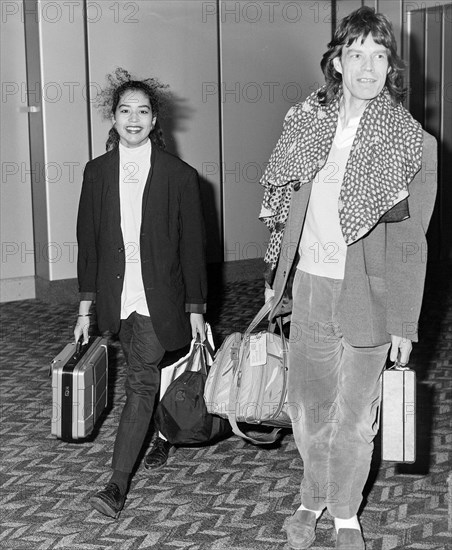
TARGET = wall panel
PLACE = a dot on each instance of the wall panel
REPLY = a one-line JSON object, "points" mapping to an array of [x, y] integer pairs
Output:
{"points": [[176, 42], [429, 35], [17, 260], [65, 130], [270, 60]]}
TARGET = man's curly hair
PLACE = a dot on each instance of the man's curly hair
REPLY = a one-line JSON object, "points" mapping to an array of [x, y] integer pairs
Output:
{"points": [[358, 25], [121, 81]]}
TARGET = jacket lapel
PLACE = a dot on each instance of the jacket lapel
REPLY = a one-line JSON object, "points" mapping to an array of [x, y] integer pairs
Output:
{"points": [[154, 160], [112, 193]]}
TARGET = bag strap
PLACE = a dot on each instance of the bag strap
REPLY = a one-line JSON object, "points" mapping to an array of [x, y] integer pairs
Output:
{"points": [[264, 310], [264, 439], [260, 315], [209, 348], [198, 354]]}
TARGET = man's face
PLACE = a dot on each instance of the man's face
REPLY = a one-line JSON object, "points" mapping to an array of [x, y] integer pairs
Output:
{"points": [[363, 67]]}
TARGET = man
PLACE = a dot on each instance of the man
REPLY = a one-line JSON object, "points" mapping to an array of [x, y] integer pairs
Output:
{"points": [[350, 187]]}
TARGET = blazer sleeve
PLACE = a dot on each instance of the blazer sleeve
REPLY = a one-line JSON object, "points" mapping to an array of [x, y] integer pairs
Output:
{"points": [[406, 249], [193, 246], [86, 238]]}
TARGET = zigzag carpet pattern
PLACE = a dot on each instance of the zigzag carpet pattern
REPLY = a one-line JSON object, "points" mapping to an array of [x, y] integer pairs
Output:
{"points": [[231, 495]]}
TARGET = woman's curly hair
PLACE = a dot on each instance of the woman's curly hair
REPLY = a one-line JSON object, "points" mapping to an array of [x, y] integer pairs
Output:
{"points": [[359, 24], [121, 81]]}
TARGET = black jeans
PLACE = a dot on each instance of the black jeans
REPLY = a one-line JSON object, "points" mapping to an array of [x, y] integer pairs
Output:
{"points": [[143, 354]]}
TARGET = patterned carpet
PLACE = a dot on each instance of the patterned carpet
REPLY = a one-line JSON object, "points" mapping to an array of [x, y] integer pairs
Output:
{"points": [[231, 495]]}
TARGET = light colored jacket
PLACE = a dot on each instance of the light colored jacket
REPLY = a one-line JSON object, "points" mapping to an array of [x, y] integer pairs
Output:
{"points": [[384, 276]]}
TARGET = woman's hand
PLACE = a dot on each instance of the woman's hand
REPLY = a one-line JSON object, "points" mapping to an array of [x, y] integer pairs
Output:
{"points": [[82, 325], [198, 326]]}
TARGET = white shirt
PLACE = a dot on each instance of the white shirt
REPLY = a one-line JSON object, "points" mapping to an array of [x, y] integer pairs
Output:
{"points": [[134, 166], [322, 246]]}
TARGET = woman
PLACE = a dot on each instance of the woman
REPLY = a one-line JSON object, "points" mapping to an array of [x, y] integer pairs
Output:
{"points": [[141, 260]]}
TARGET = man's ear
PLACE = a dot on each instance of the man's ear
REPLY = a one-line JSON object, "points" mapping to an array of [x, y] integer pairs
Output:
{"points": [[337, 64]]}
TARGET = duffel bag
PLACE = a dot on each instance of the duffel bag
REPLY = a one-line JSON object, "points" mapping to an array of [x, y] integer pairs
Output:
{"points": [[247, 381], [181, 415]]}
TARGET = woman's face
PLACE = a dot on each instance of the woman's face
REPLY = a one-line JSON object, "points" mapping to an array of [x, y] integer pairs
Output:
{"points": [[133, 118]]}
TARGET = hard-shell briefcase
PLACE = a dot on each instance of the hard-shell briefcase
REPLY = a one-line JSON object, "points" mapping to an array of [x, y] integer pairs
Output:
{"points": [[79, 388], [398, 416]]}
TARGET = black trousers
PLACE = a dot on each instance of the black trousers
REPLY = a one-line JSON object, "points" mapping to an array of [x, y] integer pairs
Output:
{"points": [[143, 354]]}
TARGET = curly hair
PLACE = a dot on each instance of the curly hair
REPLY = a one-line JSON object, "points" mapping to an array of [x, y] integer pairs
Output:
{"points": [[119, 82], [359, 24]]}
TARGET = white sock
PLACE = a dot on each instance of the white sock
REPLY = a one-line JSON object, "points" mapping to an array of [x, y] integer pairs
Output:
{"points": [[351, 523], [317, 513]]}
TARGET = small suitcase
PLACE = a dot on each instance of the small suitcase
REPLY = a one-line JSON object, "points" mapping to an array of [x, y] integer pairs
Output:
{"points": [[79, 388], [398, 416]]}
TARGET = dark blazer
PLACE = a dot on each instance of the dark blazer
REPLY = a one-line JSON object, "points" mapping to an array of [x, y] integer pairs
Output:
{"points": [[172, 245], [381, 294]]}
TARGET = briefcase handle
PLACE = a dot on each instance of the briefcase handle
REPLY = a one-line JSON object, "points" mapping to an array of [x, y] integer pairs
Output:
{"points": [[398, 366]]}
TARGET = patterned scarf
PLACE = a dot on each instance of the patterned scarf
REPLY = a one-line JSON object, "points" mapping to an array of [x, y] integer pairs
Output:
{"points": [[385, 155]]}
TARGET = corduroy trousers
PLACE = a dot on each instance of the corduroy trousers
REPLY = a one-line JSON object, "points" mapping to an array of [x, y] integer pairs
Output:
{"points": [[335, 388]]}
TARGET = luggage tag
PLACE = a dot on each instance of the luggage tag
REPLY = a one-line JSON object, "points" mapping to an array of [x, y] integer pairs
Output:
{"points": [[258, 349]]}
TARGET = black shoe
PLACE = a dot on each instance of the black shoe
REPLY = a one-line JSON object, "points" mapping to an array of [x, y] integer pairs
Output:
{"points": [[109, 501], [158, 455]]}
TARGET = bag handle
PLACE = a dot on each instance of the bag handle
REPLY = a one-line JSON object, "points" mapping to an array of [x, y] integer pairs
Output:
{"points": [[398, 366], [264, 310], [209, 348], [260, 315], [199, 348]]}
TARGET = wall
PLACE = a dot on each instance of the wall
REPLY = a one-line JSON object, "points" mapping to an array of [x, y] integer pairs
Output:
{"points": [[235, 69], [175, 43], [428, 48], [17, 261], [200, 51], [270, 59], [66, 146]]}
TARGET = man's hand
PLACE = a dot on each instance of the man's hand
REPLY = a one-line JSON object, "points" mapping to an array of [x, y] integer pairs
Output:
{"points": [[268, 294], [198, 326], [401, 346]]}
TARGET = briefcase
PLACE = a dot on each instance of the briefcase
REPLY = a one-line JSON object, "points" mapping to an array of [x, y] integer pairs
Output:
{"points": [[398, 415], [79, 388]]}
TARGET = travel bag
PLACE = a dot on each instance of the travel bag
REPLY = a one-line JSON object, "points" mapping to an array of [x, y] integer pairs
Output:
{"points": [[181, 415], [79, 388], [398, 414], [248, 380]]}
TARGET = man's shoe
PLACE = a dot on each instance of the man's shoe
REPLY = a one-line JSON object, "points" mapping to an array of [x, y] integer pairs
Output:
{"points": [[350, 539], [109, 501], [158, 455], [300, 529]]}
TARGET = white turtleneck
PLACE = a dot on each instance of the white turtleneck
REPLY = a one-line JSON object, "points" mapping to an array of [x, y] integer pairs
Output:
{"points": [[134, 166]]}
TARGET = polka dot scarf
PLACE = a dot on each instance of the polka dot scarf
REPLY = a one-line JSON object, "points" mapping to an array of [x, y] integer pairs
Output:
{"points": [[385, 156]]}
